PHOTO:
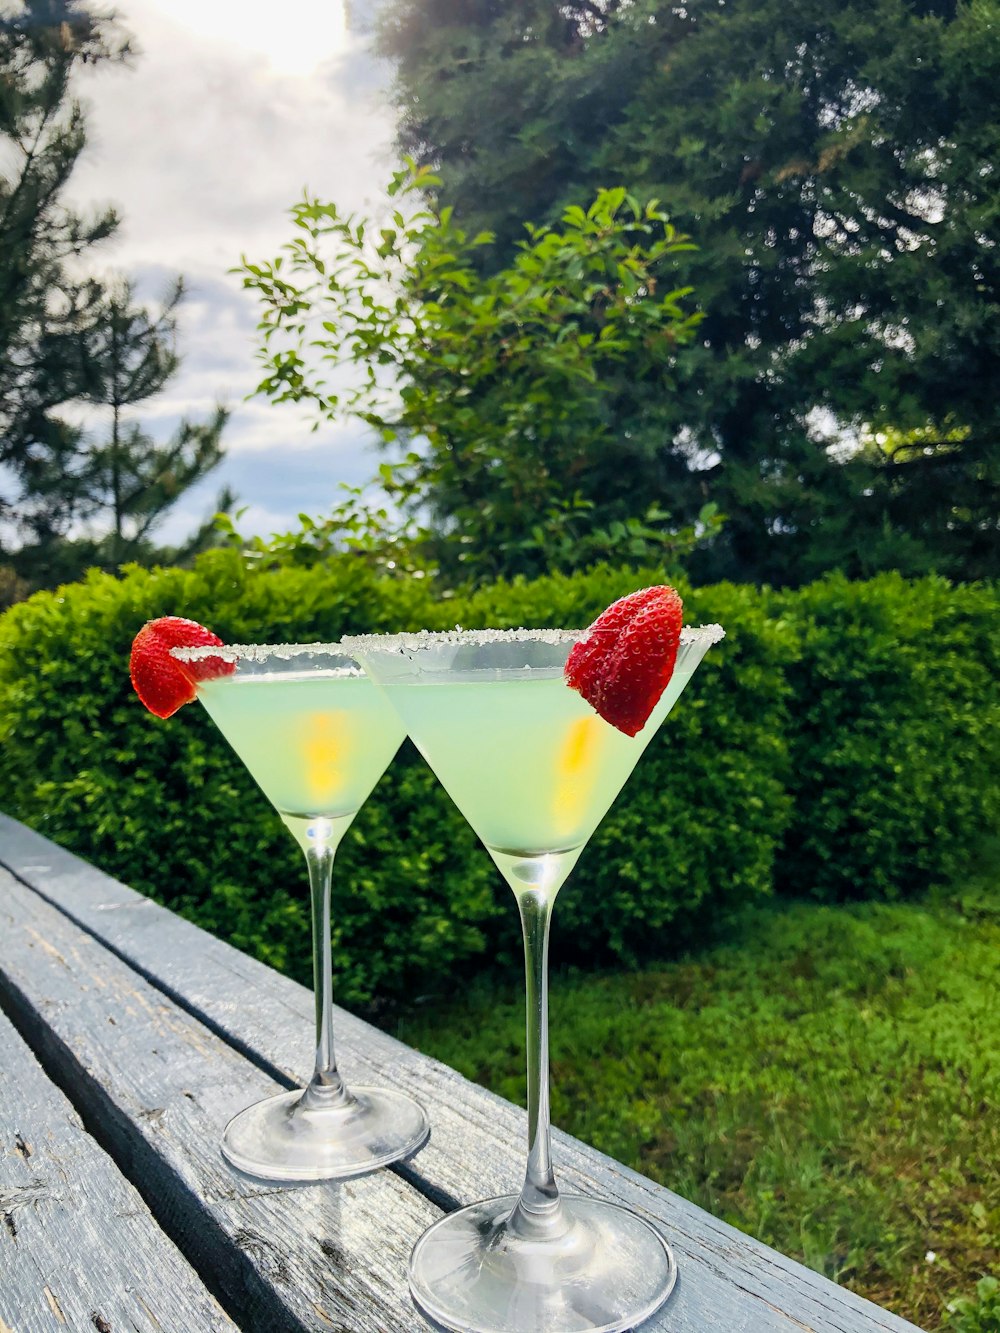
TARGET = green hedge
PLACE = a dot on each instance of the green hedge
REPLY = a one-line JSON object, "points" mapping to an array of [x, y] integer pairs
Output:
{"points": [[818, 747], [896, 743]]}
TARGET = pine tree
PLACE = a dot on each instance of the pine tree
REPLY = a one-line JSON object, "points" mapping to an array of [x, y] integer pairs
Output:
{"points": [[68, 339], [44, 306], [115, 480]]}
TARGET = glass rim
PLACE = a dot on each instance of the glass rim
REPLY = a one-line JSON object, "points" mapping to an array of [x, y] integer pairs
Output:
{"points": [[258, 652], [356, 645], [352, 645]]}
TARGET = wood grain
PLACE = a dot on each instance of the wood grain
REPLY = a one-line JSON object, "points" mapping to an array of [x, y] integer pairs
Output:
{"points": [[157, 1088], [728, 1281], [78, 1247]]}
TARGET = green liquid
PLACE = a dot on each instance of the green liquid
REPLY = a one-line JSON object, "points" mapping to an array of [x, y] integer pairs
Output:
{"points": [[316, 743], [531, 766]]}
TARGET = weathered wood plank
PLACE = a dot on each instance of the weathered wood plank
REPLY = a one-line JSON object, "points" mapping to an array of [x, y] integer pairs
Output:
{"points": [[727, 1280], [157, 1088], [78, 1247]]}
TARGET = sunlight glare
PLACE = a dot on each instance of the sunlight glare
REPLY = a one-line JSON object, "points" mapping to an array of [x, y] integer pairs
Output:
{"points": [[295, 37]]}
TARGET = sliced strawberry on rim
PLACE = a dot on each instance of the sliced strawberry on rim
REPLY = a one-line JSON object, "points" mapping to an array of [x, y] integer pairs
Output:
{"points": [[598, 639], [625, 660], [162, 683]]}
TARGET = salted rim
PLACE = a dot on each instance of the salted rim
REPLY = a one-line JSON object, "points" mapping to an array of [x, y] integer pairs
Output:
{"points": [[256, 652], [355, 644], [352, 644]]}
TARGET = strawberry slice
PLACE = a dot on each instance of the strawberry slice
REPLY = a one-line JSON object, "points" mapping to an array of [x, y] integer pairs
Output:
{"points": [[594, 646], [162, 683], [625, 660]]}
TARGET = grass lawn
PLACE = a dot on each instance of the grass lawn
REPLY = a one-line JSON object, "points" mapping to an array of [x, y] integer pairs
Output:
{"points": [[827, 1080]]}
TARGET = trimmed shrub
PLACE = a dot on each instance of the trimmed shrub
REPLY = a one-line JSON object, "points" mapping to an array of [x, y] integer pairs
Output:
{"points": [[168, 808], [895, 745], [846, 732]]}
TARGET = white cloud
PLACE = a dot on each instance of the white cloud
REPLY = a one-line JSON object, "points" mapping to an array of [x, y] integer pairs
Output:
{"points": [[229, 112]]}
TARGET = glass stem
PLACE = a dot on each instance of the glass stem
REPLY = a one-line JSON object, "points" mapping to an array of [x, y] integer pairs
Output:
{"points": [[538, 1212], [326, 1088]]}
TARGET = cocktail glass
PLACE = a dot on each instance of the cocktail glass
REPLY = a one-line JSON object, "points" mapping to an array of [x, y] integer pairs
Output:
{"points": [[534, 769], [316, 736]]}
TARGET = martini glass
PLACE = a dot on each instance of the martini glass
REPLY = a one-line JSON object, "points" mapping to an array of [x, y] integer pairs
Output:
{"points": [[316, 736], [534, 769]]}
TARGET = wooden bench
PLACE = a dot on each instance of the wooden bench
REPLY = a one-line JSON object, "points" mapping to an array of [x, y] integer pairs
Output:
{"points": [[152, 1033]]}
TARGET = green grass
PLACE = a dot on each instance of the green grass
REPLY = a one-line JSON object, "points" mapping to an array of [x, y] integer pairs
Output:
{"points": [[828, 1081]]}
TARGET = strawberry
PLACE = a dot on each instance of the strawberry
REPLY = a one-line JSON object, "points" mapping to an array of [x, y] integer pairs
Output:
{"points": [[625, 660], [594, 645], [162, 683]]}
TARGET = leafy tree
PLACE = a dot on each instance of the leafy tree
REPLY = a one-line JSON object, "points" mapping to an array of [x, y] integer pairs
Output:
{"points": [[503, 387], [373, 531], [122, 482], [836, 160]]}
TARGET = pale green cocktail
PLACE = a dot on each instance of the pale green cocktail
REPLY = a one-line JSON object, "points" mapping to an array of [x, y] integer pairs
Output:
{"points": [[315, 744], [316, 735], [534, 769], [528, 762]]}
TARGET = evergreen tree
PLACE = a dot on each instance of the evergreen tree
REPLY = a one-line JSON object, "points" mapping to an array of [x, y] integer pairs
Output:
{"points": [[69, 339], [44, 305], [117, 480], [836, 162]]}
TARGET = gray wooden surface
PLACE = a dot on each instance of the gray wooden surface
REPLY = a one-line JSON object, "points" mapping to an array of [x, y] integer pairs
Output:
{"points": [[727, 1280], [78, 1247], [159, 1089]]}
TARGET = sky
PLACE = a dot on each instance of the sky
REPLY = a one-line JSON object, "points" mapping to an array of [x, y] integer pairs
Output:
{"points": [[230, 109]]}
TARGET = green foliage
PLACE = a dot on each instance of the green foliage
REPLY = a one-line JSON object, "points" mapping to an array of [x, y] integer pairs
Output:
{"points": [[117, 480], [167, 807], [45, 305], [836, 163], [842, 740], [827, 1081], [979, 1313], [388, 542], [504, 389], [896, 747], [127, 481], [67, 339]]}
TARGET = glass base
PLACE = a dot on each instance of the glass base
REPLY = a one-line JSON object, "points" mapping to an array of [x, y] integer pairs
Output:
{"points": [[601, 1269], [285, 1138]]}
